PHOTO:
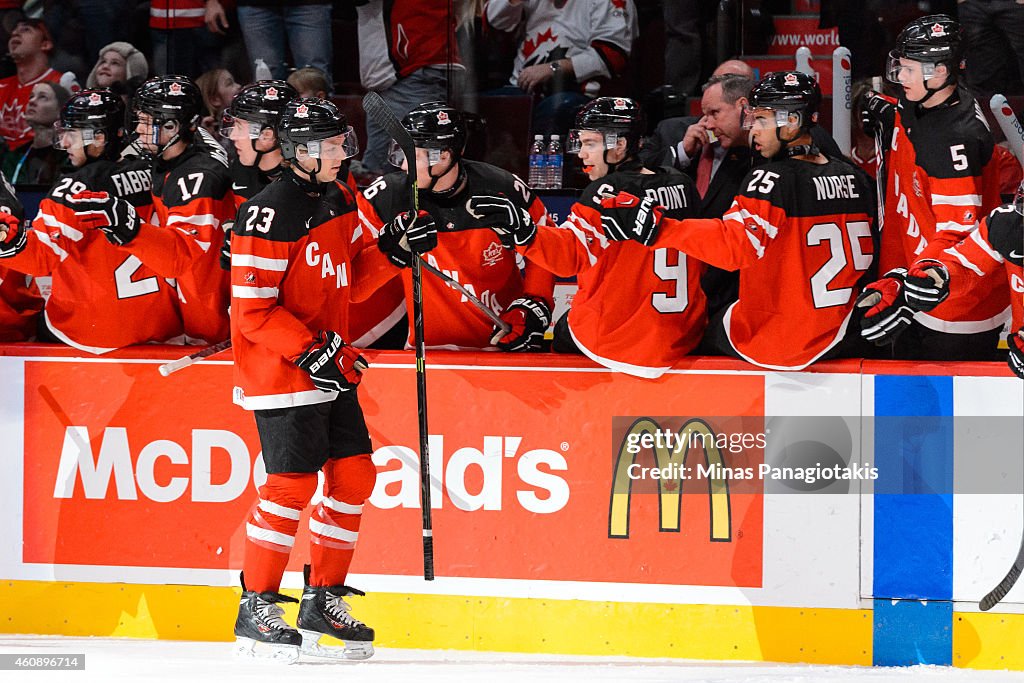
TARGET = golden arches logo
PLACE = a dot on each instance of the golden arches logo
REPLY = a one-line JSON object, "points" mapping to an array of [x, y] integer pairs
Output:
{"points": [[670, 490]]}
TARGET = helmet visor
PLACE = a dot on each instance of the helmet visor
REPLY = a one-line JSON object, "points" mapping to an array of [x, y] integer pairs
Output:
{"points": [[590, 140], [396, 155], [900, 69], [764, 118], [67, 138], [232, 128], [334, 148]]}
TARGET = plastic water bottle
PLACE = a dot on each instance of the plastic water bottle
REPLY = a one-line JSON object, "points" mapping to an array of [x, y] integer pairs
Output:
{"points": [[537, 178], [553, 163], [262, 71]]}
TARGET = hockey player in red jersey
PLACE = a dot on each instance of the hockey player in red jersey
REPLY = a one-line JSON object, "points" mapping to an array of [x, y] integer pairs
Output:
{"points": [[465, 249], [20, 300], [646, 327], [941, 179], [799, 232], [191, 201], [994, 250], [101, 298], [292, 266]]}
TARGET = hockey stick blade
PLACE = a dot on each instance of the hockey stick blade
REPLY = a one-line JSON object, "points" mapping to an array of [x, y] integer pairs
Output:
{"points": [[1000, 591], [175, 365]]}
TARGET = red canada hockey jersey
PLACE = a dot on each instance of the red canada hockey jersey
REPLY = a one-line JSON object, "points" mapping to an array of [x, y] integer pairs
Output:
{"points": [[800, 233], [637, 310], [941, 179], [191, 199], [20, 301], [101, 298], [995, 251], [470, 254], [292, 265]]}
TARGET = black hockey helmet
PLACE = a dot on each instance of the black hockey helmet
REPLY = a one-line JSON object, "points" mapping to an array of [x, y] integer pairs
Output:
{"points": [[616, 117], [437, 126], [931, 40], [262, 103], [89, 111], [787, 93], [307, 123], [169, 98]]}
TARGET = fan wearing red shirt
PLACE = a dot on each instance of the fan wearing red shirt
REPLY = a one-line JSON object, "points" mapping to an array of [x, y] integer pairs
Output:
{"points": [[30, 45]]}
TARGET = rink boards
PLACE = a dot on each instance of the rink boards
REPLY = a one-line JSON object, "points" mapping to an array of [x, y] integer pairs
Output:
{"points": [[124, 494]]}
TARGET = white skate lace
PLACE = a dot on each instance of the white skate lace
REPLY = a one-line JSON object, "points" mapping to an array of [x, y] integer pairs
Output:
{"points": [[271, 613], [339, 609]]}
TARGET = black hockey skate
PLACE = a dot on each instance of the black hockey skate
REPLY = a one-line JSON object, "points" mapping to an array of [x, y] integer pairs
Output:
{"points": [[323, 611], [260, 630]]}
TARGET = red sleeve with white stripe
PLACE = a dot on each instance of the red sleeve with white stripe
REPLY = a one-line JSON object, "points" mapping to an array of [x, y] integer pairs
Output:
{"points": [[258, 267], [370, 267], [734, 241], [190, 231], [957, 207], [50, 233], [571, 248]]}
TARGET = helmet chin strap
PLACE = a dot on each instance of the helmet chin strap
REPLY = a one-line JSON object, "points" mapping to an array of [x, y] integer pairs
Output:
{"points": [[787, 149], [930, 92], [456, 186]]}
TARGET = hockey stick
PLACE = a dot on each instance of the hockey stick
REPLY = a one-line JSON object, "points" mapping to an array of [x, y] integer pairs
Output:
{"points": [[378, 110], [175, 365], [481, 306]]}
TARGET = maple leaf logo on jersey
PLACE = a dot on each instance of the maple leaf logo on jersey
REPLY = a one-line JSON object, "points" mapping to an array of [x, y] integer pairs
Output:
{"points": [[531, 44], [492, 254], [937, 30], [790, 79], [250, 278], [175, 89], [443, 118], [302, 111], [95, 99], [271, 93]]}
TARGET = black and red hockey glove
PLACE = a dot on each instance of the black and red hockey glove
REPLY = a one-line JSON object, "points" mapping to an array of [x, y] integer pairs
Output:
{"points": [[406, 235], [332, 364], [13, 235], [529, 318], [513, 223], [887, 313], [1015, 359], [627, 217], [101, 210], [927, 285]]}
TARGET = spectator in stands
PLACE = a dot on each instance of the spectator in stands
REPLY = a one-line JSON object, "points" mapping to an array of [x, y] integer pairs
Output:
{"points": [[405, 71], [121, 68], [182, 42], [309, 82], [218, 88], [995, 46], [564, 46], [36, 162], [682, 45], [29, 47], [301, 26]]}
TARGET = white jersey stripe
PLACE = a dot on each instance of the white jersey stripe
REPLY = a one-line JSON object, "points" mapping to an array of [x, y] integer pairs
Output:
{"points": [[275, 264], [957, 199], [342, 507], [241, 292]]}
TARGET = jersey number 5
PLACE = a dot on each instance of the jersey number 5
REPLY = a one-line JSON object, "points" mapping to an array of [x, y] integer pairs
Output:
{"points": [[836, 264]]}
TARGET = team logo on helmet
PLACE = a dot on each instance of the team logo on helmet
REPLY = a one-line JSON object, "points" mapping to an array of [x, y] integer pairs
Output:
{"points": [[443, 118], [94, 99], [271, 93], [175, 89], [790, 79], [302, 111], [938, 30], [620, 103]]}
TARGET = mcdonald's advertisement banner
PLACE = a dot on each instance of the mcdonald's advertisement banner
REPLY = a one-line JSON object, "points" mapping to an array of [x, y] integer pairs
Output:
{"points": [[554, 473]]}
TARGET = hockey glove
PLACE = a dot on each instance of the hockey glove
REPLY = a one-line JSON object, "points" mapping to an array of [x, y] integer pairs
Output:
{"points": [[877, 114], [408, 235], [514, 225], [927, 285], [1016, 358], [115, 217], [225, 246], [627, 217], [529, 318], [332, 364], [13, 236], [887, 313]]}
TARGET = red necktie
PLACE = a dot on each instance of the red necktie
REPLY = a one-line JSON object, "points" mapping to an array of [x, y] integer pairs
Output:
{"points": [[704, 166]]}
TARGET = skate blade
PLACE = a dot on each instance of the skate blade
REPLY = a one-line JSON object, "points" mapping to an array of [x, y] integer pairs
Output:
{"points": [[353, 650], [250, 649]]}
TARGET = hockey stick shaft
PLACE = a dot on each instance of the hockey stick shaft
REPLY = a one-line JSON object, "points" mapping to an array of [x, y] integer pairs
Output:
{"points": [[175, 365], [481, 306], [377, 109]]}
